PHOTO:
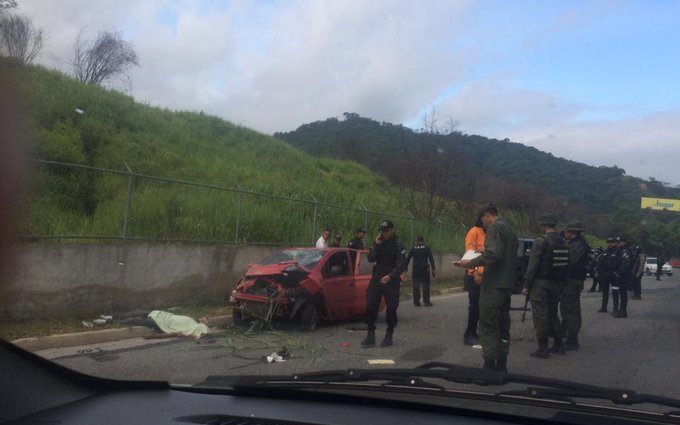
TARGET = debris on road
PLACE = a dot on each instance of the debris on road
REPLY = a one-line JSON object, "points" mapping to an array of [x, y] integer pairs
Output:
{"points": [[381, 362]]}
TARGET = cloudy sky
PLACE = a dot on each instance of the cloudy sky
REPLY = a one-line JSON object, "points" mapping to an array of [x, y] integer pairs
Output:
{"points": [[596, 81]]}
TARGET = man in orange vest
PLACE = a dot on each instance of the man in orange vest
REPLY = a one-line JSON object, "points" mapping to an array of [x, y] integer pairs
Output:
{"points": [[474, 241]]}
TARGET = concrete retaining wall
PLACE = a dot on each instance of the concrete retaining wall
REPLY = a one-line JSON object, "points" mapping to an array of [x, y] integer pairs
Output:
{"points": [[57, 279]]}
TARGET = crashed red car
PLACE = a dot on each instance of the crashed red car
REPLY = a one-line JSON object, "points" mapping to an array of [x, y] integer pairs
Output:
{"points": [[306, 286]]}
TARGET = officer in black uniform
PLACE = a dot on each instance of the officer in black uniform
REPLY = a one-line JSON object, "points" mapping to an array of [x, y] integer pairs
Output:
{"points": [[606, 267], [423, 265], [592, 268], [336, 241], [358, 241], [623, 278], [659, 266], [389, 255]]}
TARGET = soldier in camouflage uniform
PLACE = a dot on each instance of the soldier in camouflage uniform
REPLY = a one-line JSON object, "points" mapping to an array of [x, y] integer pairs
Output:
{"points": [[498, 259], [544, 281], [570, 301]]}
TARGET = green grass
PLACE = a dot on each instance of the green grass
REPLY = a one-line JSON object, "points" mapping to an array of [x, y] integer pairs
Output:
{"points": [[115, 131]]}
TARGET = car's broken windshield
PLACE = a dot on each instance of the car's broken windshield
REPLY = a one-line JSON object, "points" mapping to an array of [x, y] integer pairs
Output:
{"points": [[305, 258]]}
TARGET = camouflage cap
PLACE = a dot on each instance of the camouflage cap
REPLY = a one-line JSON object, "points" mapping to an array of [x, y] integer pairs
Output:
{"points": [[548, 220], [574, 226]]}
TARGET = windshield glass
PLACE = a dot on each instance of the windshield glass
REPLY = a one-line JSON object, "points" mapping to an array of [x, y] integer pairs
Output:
{"points": [[496, 181], [307, 258]]}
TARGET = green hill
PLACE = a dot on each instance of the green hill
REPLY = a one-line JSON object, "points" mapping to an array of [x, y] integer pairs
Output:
{"points": [[115, 130], [511, 174]]}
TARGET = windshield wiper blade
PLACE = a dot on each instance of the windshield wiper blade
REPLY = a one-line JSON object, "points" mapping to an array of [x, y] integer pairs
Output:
{"points": [[540, 388], [616, 396]]}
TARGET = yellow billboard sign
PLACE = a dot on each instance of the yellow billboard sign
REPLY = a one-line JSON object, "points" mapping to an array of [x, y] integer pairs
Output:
{"points": [[660, 204]]}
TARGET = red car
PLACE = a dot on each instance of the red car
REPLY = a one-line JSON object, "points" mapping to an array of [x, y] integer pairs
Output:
{"points": [[674, 262], [304, 285]]}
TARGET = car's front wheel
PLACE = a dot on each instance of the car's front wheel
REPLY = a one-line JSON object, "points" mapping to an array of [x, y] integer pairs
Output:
{"points": [[309, 316]]}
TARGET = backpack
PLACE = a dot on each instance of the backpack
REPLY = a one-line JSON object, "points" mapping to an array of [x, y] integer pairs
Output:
{"points": [[554, 265]]}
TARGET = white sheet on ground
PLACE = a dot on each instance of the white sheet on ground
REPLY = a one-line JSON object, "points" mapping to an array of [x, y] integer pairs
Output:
{"points": [[184, 325]]}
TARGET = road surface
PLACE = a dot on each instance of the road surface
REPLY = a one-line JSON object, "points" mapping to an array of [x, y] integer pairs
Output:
{"points": [[640, 353]]}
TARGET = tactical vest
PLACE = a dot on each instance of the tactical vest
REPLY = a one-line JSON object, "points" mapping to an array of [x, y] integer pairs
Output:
{"points": [[554, 264]]}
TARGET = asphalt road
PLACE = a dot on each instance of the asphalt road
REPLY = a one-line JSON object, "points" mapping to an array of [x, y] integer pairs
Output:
{"points": [[640, 353]]}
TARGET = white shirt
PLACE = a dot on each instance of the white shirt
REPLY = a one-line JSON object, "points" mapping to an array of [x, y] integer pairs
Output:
{"points": [[321, 243]]}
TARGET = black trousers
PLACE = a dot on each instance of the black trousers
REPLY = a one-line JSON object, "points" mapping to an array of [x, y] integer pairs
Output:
{"points": [[473, 305], [605, 282], [418, 282], [374, 294], [596, 281], [621, 294], [637, 286]]}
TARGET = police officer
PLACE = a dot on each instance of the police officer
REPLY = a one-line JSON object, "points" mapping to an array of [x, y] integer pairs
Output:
{"points": [[498, 259], [544, 281], [358, 241], [336, 241], [623, 278], [638, 271], [570, 301], [389, 255], [606, 267], [659, 266], [423, 265], [592, 268]]}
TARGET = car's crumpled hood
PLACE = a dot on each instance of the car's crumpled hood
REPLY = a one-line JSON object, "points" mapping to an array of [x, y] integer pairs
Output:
{"points": [[270, 269]]}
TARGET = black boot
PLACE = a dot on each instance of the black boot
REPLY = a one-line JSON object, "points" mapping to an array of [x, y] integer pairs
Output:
{"points": [[542, 352], [369, 341], [602, 310], [489, 364], [621, 314], [558, 347], [470, 338], [502, 364], [572, 343], [387, 341]]}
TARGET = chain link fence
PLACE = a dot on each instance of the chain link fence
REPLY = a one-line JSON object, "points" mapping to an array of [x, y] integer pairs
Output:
{"points": [[72, 201]]}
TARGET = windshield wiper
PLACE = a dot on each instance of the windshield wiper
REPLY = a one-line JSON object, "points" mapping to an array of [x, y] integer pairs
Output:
{"points": [[541, 388]]}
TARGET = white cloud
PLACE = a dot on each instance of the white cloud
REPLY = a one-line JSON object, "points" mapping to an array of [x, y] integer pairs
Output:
{"points": [[276, 65], [644, 144], [273, 66]]}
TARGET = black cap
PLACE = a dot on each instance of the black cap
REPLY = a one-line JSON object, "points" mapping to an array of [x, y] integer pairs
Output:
{"points": [[621, 239], [611, 240], [386, 224], [338, 236], [360, 230]]}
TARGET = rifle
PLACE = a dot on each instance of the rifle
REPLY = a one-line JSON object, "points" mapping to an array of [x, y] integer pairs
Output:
{"points": [[526, 308]]}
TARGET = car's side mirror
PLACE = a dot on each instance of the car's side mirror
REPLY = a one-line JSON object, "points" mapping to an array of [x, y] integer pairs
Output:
{"points": [[336, 270]]}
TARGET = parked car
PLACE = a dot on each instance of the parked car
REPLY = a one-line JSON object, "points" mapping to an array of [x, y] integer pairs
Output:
{"points": [[304, 286], [674, 262], [650, 267]]}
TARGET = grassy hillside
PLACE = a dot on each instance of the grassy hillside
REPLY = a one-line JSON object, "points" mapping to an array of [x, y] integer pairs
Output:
{"points": [[511, 174], [115, 130]]}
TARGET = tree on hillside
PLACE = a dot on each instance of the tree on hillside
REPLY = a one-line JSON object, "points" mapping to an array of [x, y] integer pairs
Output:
{"points": [[7, 4], [19, 39], [103, 58]]}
